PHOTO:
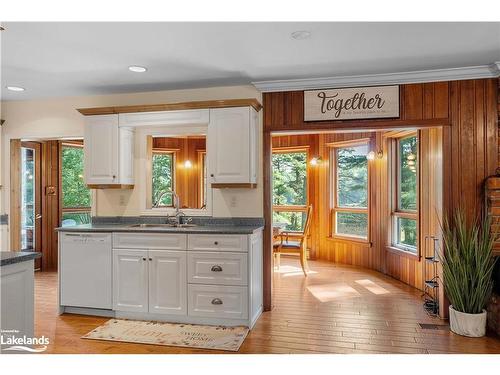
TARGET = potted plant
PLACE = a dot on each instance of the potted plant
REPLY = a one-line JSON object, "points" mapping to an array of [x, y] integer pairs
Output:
{"points": [[467, 272]]}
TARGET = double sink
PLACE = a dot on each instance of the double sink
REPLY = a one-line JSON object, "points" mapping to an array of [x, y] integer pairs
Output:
{"points": [[186, 225]]}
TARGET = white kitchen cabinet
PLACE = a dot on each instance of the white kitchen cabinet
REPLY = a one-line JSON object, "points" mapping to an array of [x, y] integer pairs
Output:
{"points": [[154, 279], [167, 282], [108, 152], [196, 278], [130, 280], [218, 301], [233, 147]]}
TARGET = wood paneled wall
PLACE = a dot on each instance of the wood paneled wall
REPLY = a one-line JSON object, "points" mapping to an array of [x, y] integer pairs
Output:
{"points": [[187, 180], [468, 113], [50, 204], [470, 148], [284, 111]]}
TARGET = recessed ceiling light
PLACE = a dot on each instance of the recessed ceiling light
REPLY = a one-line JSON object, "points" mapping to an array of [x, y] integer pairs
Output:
{"points": [[15, 88], [301, 34], [137, 69]]}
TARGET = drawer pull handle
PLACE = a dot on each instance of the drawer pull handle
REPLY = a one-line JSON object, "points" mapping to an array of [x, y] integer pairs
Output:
{"points": [[216, 243], [216, 301], [216, 268]]}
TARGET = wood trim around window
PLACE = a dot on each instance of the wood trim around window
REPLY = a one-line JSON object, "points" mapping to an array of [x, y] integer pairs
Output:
{"points": [[285, 150], [333, 192], [395, 211]]}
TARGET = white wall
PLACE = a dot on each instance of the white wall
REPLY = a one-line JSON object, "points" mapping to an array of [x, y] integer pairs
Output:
{"points": [[58, 118]]}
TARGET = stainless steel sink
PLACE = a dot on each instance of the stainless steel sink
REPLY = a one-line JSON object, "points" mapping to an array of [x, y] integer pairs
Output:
{"points": [[144, 225]]}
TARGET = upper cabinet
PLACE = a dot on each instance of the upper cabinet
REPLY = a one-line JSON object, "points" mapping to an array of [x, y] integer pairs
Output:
{"points": [[233, 147], [231, 154], [109, 153]]}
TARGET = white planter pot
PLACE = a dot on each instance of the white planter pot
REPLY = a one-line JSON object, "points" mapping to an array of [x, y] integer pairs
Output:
{"points": [[470, 325]]}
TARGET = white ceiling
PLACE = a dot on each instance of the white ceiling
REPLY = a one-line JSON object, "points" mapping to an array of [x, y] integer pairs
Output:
{"points": [[66, 59]]}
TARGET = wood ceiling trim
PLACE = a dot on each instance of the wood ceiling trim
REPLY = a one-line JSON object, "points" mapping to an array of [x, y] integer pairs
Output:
{"points": [[226, 103]]}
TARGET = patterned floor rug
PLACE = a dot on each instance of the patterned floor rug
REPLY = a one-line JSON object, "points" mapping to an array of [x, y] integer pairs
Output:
{"points": [[170, 334]]}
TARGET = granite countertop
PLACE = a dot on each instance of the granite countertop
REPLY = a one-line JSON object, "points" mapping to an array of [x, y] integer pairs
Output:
{"points": [[201, 229], [12, 257]]}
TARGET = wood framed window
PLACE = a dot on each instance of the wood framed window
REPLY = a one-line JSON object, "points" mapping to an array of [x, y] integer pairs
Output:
{"points": [[405, 199], [202, 162], [349, 186], [162, 178], [290, 167], [76, 198]]}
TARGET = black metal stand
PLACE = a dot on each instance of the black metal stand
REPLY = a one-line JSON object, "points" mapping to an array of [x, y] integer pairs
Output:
{"points": [[431, 284]]}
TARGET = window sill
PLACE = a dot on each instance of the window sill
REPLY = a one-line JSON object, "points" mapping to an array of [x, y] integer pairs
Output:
{"points": [[337, 238], [399, 251]]}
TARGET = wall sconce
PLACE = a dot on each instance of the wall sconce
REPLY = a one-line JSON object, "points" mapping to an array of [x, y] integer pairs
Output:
{"points": [[316, 160], [188, 164], [371, 155]]}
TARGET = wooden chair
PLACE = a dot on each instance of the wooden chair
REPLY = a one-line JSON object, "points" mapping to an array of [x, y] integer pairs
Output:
{"points": [[293, 243]]}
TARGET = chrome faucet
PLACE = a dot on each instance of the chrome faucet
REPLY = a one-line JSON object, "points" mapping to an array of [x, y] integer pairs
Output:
{"points": [[176, 202]]}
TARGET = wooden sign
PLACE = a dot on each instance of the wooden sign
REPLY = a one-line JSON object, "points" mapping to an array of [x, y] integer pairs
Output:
{"points": [[351, 103]]}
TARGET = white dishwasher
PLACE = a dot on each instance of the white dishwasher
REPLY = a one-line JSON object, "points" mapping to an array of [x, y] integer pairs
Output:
{"points": [[85, 270]]}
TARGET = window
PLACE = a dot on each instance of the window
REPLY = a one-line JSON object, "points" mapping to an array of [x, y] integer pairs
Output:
{"points": [[76, 197], [289, 189], [405, 228], [203, 176], [350, 191], [162, 179]]}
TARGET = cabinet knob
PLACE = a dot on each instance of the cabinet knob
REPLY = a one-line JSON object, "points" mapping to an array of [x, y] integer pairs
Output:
{"points": [[211, 174], [216, 301], [143, 258], [150, 259], [114, 177], [216, 268], [216, 242]]}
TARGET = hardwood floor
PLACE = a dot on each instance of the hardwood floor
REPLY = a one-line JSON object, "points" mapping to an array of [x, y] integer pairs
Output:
{"points": [[337, 309]]}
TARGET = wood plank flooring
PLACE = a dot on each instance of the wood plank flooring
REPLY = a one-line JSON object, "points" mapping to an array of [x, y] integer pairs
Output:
{"points": [[336, 309]]}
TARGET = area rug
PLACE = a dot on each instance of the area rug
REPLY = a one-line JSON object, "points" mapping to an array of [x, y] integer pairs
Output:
{"points": [[170, 334]]}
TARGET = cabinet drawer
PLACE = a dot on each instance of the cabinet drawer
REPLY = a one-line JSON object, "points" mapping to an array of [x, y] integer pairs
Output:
{"points": [[224, 268], [218, 242], [218, 301], [153, 241]]}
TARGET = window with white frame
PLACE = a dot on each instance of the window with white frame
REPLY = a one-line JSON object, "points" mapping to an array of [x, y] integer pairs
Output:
{"points": [[350, 190], [405, 199]]}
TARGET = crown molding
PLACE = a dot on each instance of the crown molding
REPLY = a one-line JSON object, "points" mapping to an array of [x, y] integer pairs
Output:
{"points": [[422, 76]]}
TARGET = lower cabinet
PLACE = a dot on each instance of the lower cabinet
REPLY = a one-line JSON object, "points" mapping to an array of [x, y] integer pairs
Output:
{"points": [[218, 301], [167, 282], [185, 278], [151, 281]]}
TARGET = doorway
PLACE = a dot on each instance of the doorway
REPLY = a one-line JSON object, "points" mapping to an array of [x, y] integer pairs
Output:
{"points": [[376, 198], [47, 191]]}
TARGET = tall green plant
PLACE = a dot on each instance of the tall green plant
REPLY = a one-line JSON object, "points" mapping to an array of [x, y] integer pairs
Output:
{"points": [[467, 262]]}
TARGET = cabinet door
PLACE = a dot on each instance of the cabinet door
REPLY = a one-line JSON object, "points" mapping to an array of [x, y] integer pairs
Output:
{"points": [[229, 145], [130, 280], [101, 149], [167, 282]]}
